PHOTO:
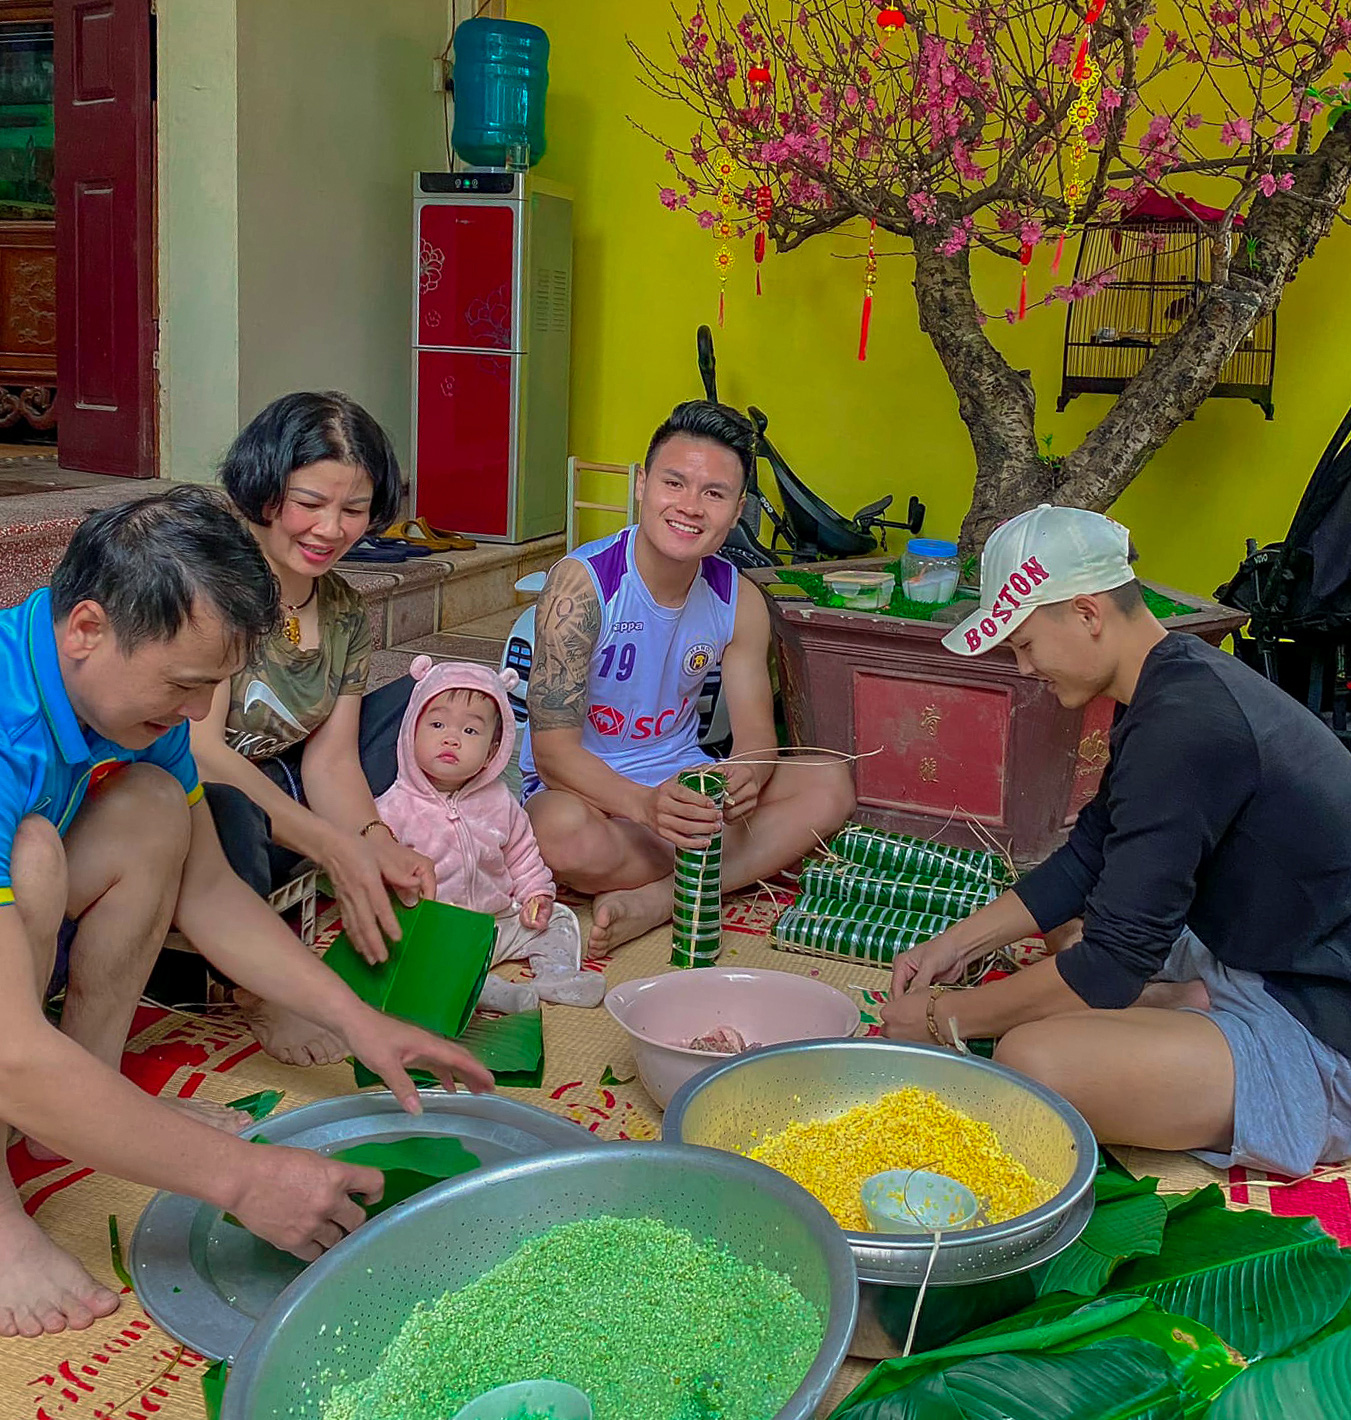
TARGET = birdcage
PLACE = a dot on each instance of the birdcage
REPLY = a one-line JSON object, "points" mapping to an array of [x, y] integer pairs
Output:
{"points": [[1160, 255]]}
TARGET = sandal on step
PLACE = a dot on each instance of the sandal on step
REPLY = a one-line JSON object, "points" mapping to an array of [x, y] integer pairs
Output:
{"points": [[420, 532], [401, 545], [368, 550]]}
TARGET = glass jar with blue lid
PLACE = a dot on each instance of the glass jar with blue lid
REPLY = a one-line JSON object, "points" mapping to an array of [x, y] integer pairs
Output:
{"points": [[930, 570]]}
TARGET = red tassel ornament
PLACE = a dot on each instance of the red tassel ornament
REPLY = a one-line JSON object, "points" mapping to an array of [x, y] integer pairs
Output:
{"points": [[1059, 252], [764, 210], [1025, 258]]}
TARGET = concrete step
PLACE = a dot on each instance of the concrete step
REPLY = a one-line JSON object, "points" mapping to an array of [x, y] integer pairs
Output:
{"points": [[452, 646], [485, 580], [403, 599], [408, 601]]}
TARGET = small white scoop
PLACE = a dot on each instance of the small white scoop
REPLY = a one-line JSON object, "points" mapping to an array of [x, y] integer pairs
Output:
{"points": [[553, 1399], [913, 1201]]}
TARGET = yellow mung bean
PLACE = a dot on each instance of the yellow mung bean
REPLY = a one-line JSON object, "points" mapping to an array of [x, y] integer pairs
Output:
{"points": [[906, 1129]]}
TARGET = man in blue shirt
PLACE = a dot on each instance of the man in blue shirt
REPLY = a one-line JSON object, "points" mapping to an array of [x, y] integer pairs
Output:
{"points": [[104, 841]]}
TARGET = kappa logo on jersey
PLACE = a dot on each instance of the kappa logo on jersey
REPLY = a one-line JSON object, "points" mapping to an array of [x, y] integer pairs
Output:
{"points": [[606, 720], [698, 658]]}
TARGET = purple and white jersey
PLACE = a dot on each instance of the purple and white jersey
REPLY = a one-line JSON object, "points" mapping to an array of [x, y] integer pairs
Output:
{"points": [[650, 663]]}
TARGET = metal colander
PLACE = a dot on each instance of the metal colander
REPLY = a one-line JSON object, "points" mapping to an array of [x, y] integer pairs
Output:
{"points": [[734, 1105], [338, 1316]]}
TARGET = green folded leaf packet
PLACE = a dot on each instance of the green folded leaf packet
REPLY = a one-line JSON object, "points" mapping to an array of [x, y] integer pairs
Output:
{"points": [[434, 972], [433, 978]]}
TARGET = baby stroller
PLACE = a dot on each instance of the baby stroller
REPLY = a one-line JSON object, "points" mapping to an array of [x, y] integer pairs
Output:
{"points": [[1297, 594]]}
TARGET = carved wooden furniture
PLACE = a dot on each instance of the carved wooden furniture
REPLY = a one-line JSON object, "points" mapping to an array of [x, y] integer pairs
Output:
{"points": [[27, 218], [960, 750]]}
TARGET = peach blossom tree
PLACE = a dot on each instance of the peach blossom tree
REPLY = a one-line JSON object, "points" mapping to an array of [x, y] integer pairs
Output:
{"points": [[1011, 125]]}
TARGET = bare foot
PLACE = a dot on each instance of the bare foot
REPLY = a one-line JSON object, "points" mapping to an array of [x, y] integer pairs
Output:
{"points": [[1174, 995], [218, 1116], [619, 917], [42, 1288], [286, 1036]]}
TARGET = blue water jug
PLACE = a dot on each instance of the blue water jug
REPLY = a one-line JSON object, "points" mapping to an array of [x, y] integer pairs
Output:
{"points": [[501, 75]]}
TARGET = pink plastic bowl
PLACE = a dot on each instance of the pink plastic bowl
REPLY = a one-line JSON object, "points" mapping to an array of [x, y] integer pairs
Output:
{"points": [[767, 1007]]}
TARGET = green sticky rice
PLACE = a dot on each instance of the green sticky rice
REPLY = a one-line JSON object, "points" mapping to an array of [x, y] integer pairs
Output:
{"points": [[648, 1322]]}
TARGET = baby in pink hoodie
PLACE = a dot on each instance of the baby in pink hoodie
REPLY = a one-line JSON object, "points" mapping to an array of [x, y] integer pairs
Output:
{"points": [[450, 803]]}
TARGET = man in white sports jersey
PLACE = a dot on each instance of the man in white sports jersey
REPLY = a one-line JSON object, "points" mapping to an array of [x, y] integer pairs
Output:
{"points": [[628, 628]]}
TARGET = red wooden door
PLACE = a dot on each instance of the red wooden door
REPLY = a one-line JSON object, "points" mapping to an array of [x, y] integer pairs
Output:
{"points": [[105, 255]]}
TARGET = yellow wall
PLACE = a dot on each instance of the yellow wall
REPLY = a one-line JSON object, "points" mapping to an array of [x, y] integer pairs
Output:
{"points": [[644, 281]]}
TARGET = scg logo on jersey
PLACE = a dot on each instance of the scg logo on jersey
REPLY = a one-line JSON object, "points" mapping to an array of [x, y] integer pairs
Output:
{"points": [[653, 727], [606, 720]]}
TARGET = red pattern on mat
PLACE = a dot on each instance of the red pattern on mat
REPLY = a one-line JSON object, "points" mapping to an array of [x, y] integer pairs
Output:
{"points": [[1329, 1202]]}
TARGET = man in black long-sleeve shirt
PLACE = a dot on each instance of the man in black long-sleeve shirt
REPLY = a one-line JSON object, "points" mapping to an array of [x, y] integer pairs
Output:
{"points": [[1207, 1005]]}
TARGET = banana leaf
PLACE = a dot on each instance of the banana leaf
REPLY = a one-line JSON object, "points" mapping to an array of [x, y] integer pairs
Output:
{"points": [[410, 1165], [213, 1388], [259, 1104], [1262, 1283], [1132, 1226], [1315, 1385], [1205, 1362], [1105, 1380], [1197, 1200], [1114, 1183], [1153, 1365], [1015, 1334]]}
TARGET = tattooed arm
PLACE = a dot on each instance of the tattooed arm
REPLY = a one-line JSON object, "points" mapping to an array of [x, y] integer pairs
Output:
{"points": [[567, 624]]}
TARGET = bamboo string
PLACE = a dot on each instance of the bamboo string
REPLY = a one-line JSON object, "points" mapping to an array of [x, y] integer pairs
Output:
{"points": [[923, 1290], [154, 1381], [1336, 1173]]}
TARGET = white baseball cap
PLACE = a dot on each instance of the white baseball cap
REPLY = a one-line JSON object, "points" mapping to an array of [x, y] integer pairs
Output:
{"points": [[1043, 556]]}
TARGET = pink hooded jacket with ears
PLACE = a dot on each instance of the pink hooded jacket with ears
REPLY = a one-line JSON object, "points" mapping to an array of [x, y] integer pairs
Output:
{"points": [[479, 837]]}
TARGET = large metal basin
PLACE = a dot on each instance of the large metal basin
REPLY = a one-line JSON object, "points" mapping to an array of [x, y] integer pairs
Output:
{"points": [[450, 1235], [206, 1281], [728, 1106]]}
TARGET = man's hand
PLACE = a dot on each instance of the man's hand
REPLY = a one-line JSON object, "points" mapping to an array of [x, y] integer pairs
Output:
{"points": [[536, 912], [905, 1016], [391, 1048], [743, 789], [941, 959], [683, 816], [301, 1201]]}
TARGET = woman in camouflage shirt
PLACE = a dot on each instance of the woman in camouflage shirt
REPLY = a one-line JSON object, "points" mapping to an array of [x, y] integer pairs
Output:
{"points": [[294, 751]]}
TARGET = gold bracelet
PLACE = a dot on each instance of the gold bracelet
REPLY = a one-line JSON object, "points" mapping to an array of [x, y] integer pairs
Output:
{"points": [[934, 993], [378, 823]]}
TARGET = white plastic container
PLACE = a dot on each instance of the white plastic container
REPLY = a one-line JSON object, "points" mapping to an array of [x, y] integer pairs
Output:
{"points": [[930, 570], [862, 591]]}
